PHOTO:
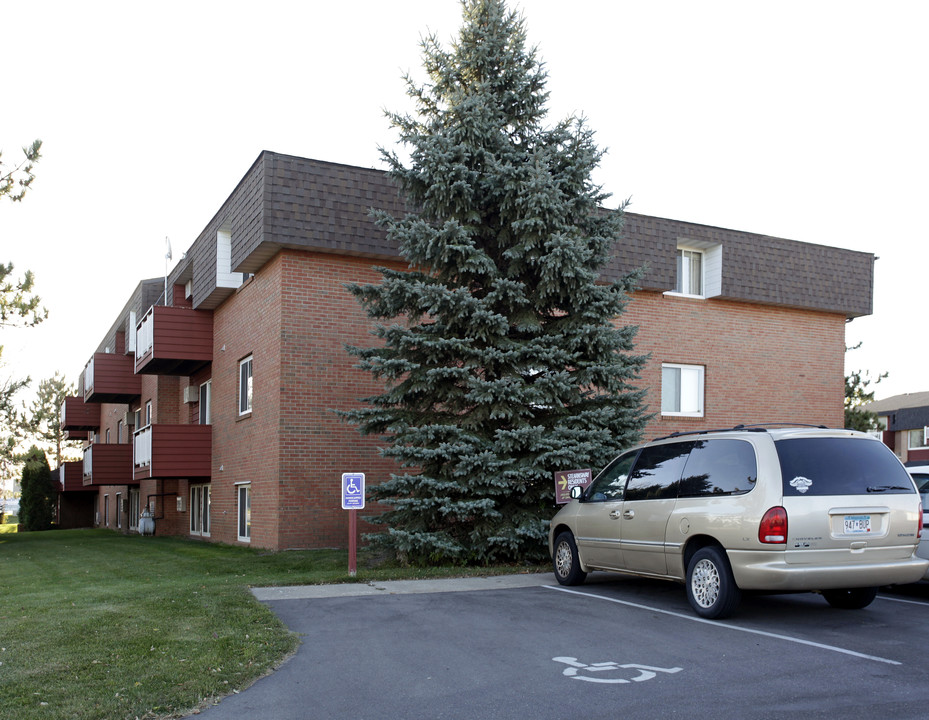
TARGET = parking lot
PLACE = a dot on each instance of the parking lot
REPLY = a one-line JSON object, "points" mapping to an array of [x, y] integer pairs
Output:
{"points": [[614, 646]]}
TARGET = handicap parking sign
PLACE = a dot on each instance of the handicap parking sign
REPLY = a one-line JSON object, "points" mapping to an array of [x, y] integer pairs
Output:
{"points": [[353, 491]]}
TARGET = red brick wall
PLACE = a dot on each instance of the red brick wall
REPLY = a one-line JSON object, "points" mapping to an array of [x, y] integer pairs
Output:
{"points": [[763, 363]]}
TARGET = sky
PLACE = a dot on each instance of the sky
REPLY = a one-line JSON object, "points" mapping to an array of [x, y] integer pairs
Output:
{"points": [[801, 120]]}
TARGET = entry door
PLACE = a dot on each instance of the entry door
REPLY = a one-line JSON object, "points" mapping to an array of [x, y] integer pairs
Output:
{"points": [[599, 516], [651, 494]]}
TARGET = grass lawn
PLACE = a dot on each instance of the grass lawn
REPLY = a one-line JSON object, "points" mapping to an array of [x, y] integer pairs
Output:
{"points": [[94, 624]]}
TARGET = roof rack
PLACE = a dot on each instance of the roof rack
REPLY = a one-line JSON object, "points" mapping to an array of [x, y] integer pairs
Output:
{"points": [[754, 427]]}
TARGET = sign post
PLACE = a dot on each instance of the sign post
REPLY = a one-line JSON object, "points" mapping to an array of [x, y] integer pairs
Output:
{"points": [[353, 499]]}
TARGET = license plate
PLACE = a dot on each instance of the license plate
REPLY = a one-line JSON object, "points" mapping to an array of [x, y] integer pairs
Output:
{"points": [[857, 524]]}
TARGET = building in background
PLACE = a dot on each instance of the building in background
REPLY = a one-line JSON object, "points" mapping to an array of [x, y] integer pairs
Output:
{"points": [[904, 421], [213, 405]]}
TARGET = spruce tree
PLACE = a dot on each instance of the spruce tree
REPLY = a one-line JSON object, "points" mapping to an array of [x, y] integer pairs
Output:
{"points": [[500, 351], [37, 504]]}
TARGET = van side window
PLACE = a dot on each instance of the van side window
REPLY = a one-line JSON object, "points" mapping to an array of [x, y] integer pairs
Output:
{"points": [[610, 484], [657, 472], [719, 467]]}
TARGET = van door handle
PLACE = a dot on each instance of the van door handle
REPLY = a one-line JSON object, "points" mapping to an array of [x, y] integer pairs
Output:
{"points": [[614, 514], [629, 514]]}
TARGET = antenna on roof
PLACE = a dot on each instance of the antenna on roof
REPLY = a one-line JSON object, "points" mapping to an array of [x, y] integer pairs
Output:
{"points": [[167, 259]]}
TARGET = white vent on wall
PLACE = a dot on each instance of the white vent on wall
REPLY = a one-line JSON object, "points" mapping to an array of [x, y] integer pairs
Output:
{"points": [[181, 506], [189, 289]]}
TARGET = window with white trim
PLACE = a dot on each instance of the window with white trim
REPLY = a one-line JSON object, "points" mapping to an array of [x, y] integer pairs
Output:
{"points": [[148, 413], [682, 390], [206, 395], [689, 272], [200, 510], [119, 510], [106, 511], [245, 385], [916, 439], [244, 503]]}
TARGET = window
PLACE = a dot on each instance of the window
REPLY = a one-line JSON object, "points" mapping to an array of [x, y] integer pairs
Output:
{"points": [[916, 439], [106, 511], [200, 510], [611, 483], [719, 467], [689, 272], [148, 414], [206, 394], [840, 466], [657, 472], [682, 390], [245, 511], [119, 431], [245, 386], [119, 510], [107, 436], [134, 510]]}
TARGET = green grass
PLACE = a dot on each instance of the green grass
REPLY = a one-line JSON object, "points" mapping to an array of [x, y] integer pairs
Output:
{"points": [[99, 625]]}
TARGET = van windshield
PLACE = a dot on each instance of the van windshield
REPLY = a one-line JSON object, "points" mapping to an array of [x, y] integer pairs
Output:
{"points": [[840, 466]]}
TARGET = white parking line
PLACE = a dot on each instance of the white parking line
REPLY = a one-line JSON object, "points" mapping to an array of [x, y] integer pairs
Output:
{"points": [[911, 602], [725, 625]]}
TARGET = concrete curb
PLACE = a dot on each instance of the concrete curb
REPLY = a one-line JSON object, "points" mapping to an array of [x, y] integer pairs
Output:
{"points": [[403, 587]]}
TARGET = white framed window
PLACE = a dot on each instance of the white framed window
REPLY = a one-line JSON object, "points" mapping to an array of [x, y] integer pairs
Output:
{"points": [[106, 511], [148, 413], [682, 390], [119, 510], [119, 431], [244, 504], [200, 510], [689, 272], [134, 509], [916, 439], [206, 395], [245, 385], [107, 436]]}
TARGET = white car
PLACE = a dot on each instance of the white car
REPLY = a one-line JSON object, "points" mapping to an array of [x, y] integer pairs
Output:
{"points": [[920, 475]]}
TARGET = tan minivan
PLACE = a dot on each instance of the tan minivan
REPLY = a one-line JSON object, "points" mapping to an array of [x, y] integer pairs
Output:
{"points": [[752, 508]]}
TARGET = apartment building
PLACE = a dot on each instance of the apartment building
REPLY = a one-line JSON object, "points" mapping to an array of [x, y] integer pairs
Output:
{"points": [[211, 400], [904, 422]]}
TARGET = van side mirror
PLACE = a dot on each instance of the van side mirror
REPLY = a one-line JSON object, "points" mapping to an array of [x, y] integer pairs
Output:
{"points": [[576, 492]]}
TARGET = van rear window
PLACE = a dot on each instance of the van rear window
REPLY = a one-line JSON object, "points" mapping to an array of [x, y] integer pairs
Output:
{"points": [[840, 466]]}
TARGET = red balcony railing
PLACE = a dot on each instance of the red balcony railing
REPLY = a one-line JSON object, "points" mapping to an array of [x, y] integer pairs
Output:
{"points": [[108, 464], [173, 341], [111, 378], [70, 477], [78, 416], [173, 451]]}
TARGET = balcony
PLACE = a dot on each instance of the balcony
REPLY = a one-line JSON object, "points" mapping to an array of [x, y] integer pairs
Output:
{"points": [[78, 416], [111, 378], [69, 477], [173, 341], [108, 464], [173, 451]]}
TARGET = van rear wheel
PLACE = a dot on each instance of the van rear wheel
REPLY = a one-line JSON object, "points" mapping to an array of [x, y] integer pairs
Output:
{"points": [[851, 599], [711, 588]]}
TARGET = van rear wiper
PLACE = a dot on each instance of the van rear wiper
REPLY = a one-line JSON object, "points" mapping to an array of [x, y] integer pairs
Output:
{"points": [[882, 488]]}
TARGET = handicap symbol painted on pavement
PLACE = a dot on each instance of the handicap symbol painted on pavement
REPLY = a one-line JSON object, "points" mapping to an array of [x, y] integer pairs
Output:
{"points": [[577, 671]]}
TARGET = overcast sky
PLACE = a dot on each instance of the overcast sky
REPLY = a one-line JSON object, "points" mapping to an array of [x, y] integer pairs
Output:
{"points": [[802, 120]]}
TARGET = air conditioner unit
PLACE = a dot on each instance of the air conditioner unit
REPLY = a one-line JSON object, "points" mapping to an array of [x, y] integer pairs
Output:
{"points": [[181, 506], [129, 419], [191, 394], [926, 435], [189, 289]]}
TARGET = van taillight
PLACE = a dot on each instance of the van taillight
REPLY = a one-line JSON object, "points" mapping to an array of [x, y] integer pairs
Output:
{"points": [[773, 528]]}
